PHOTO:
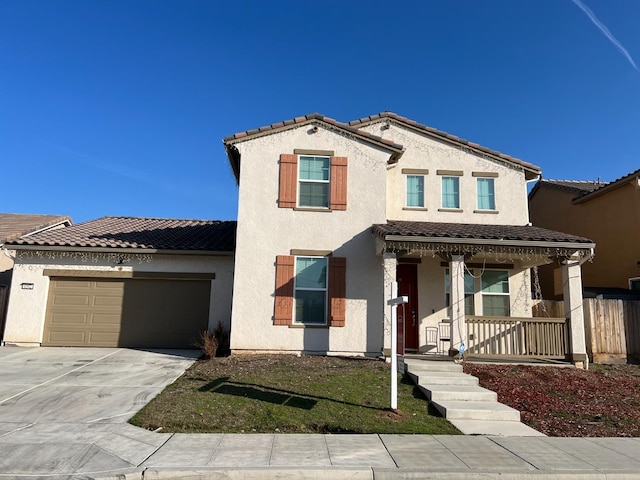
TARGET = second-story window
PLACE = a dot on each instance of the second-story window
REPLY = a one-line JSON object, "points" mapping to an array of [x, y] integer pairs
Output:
{"points": [[486, 194], [415, 191], [450, 192], [313, 178]]}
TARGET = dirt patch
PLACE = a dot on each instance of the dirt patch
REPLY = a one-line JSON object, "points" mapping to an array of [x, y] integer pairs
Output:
{"points": [[567, 402]]}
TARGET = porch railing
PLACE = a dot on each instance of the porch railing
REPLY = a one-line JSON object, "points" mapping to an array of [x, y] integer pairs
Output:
{"points": [[517, 337]]}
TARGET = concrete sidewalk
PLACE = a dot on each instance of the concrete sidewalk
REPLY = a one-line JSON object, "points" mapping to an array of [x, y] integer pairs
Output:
{"points": [[108, 450]]}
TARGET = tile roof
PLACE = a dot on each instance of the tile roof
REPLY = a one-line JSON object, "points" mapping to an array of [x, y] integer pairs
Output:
{"points": [[140, 233], [575, 186], [308, 119], [14, 225], [524, 233], [535, 170], [608, 186]]}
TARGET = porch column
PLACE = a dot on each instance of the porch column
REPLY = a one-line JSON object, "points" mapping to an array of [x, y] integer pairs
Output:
{"points": [[458, 325], [572, 294], [389, 272]]}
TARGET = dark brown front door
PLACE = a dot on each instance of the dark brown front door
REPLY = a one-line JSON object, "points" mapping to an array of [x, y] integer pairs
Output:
{"points": [[407, 277]]}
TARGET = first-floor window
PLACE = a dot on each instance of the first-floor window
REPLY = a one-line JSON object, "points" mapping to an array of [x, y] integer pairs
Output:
{"points": [[495, 293], [469, 307], [415, 190], [310, 290]]}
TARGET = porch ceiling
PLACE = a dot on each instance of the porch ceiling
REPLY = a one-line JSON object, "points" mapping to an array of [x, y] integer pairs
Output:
{"points": [[527, 244]]}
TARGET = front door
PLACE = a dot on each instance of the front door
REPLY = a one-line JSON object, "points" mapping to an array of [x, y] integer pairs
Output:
{"points": [[407, 277]]}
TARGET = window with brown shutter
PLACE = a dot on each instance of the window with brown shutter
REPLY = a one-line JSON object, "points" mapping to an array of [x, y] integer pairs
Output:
{"points": [[316, 181], [310, 290]]}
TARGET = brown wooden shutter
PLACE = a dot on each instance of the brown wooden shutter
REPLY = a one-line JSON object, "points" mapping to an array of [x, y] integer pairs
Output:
{"points": [[338, 183], [287, 196], [283, 314], [337, 291]]}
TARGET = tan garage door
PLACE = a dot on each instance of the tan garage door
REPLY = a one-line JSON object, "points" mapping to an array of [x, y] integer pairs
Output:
{"points": [[126, 312]]}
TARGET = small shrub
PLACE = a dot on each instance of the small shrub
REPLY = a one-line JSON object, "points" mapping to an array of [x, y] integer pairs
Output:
{"points": [[208, 344]]}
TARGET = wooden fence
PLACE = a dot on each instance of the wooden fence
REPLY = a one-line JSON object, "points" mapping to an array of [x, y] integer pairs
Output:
{"points": [[612, 327]]}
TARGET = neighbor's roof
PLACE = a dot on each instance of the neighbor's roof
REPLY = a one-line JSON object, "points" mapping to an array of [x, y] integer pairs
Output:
{"points": [[501, 234], [578, 187], [140, 233], [531, 169], [633, 176], [15, 225]]}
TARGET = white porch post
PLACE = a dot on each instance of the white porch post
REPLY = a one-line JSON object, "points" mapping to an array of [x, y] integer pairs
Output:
{"points": [[458, 325], [389, 266], [572, 292]]}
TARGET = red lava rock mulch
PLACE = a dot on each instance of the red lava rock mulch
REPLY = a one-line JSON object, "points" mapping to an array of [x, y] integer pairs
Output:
{"points": [[568, 402]]}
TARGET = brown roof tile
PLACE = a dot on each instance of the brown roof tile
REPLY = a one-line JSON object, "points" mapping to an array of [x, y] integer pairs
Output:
{"points": [[144, 233], [15, 225], [475, 231], [308, 118], [535, 170], [576, 186]]}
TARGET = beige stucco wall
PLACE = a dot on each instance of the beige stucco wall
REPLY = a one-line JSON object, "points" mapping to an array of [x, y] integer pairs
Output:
{"points": [[611, 220], [26, 312], [6, 264], [265, 231], [423, 152]]}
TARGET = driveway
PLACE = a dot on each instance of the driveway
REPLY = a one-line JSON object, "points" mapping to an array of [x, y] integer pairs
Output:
{"points": [[83, 385]]}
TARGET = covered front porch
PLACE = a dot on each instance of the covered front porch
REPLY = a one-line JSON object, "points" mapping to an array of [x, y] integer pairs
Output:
{"points": [[471, 289]]}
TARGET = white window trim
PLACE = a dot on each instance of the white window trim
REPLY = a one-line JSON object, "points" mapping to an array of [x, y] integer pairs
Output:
{"points": [[495, 206], [446, 208], [482, 293], [300, 181], [406, 191], [306, 289]]}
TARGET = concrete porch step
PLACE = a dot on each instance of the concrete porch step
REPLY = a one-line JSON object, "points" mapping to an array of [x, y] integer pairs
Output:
{"points": [[437, 393], [504, 429], [467, 410], [414, 365], [443, 378]]}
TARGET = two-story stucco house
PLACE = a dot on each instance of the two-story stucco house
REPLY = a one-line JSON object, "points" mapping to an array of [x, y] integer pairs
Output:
{"points": [[331, 213]]}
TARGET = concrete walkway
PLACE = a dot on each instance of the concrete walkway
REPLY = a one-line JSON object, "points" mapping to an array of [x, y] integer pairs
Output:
{"points": [[63, 414]]}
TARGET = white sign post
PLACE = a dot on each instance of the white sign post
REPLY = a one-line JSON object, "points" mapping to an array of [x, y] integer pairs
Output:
{"points": [[394, 302]]}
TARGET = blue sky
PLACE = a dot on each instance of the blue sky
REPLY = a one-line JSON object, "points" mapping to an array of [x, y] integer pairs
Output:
{"points": [[119, 107]]}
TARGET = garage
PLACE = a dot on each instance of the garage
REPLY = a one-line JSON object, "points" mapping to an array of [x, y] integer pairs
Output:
{"points": [[160, 313]]}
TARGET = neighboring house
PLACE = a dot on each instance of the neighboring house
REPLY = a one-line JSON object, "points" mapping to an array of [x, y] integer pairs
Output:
{"points": [[122, 282], [608, 213], [12, 226], [331, 213]]}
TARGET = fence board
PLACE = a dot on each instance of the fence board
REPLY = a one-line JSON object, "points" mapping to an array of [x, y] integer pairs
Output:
{"points": [[4, 298], [612, 327]]}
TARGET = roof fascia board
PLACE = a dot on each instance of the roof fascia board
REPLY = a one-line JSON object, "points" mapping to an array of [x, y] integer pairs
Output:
{"points": [[349, 130], [132, 251], [487, 241], [451, 141]]}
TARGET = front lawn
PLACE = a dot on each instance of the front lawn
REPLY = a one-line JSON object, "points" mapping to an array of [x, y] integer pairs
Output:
{"points": [[289, 394]]}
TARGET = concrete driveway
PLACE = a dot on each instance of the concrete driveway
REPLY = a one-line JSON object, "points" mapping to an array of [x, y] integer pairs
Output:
{"points": [[83, 385]]}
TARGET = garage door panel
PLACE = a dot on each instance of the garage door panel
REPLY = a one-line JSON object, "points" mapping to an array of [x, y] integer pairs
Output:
{"points": [[70, 319], [127, 312]]}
